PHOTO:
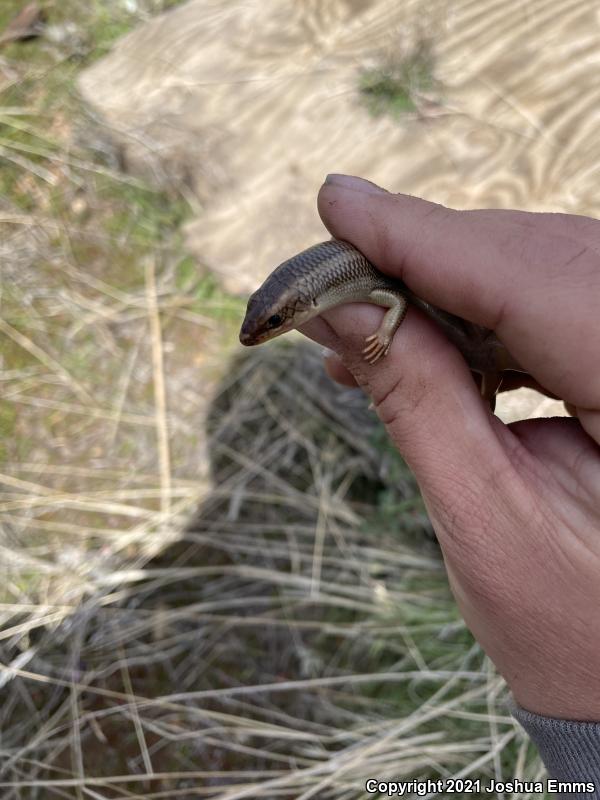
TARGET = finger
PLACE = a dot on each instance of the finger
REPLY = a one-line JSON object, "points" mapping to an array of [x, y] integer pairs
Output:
{"points": [[520, 380], [590, 421], [511, 380], [535, 288], [338, 372], [458, 451], [319, 330], [423, 392]]}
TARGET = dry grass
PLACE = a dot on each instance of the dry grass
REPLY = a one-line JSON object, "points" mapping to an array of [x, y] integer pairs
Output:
{"points": [[293, 639], [296, 639]]}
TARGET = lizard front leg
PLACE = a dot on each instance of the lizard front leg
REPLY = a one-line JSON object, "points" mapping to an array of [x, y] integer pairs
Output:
{"points": [[378, 344]]}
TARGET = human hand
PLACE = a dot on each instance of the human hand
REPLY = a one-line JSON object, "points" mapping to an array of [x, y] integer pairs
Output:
{"points": [[516, 508]]}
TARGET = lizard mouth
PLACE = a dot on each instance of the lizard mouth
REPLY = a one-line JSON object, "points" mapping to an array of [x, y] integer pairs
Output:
{"points": [[250, 336], [246, 338]]}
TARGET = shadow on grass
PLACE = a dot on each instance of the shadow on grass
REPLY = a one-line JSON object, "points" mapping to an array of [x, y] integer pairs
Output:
{"points": [[294, 640]]}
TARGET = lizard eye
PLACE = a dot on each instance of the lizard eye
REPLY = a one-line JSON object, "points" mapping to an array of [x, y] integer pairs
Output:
{"points": [[274, 321]]}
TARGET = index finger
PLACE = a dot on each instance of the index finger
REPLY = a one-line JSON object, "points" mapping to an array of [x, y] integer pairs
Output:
{"points": [[536, 284]]}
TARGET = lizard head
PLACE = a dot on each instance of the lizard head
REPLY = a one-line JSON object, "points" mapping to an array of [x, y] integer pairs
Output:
{"points": [[272, 311]]}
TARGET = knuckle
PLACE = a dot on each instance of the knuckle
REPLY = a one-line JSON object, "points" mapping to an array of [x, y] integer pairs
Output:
{"points": [[399, 398]]}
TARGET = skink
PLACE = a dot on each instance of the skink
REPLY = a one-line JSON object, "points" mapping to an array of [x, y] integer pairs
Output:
{"points": [[335, 272]]}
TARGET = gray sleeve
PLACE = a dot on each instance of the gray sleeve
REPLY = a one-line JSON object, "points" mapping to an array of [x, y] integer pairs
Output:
{"points": [[569, 750]]}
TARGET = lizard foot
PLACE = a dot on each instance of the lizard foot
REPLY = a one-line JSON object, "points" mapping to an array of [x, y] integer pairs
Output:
{"points": [[376, 347]]}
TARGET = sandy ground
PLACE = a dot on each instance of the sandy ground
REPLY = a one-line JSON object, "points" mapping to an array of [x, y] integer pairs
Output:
{"points": [[252, 103]]}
